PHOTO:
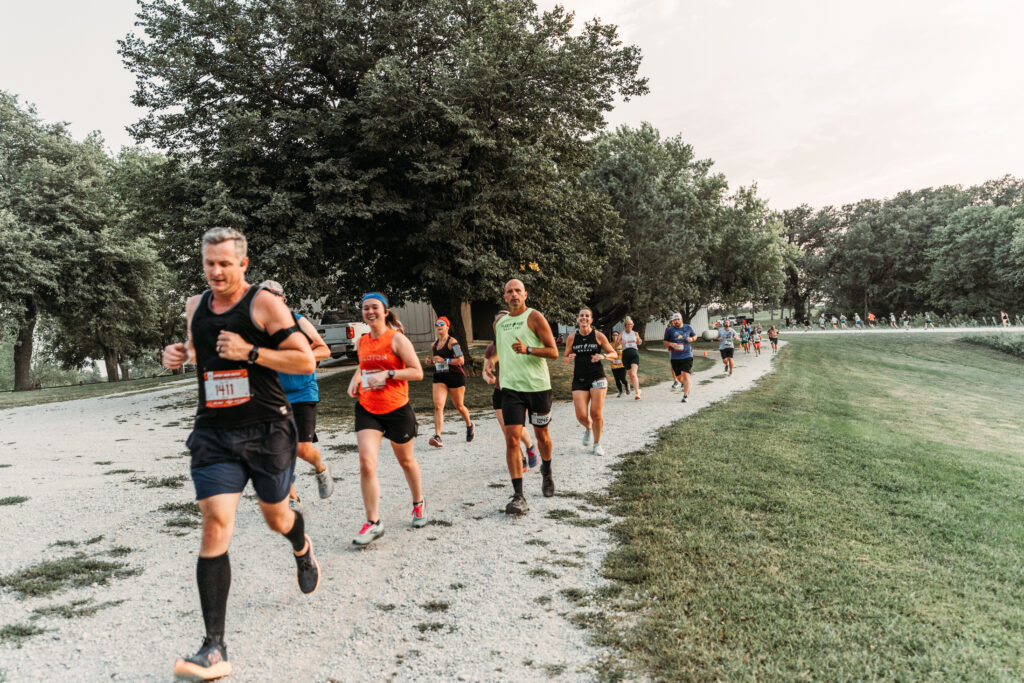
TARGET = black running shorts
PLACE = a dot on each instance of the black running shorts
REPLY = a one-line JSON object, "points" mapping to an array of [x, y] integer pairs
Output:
{"points": [[398, 426], [630, 357], [588, 383], [452, 380], [225, 459], [516, 404], [496, 399], [680, 365], [726, 353], [305, 421]]}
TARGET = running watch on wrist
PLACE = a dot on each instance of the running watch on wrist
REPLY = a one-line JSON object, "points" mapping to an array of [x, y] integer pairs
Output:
{"points": [[527, 350], [254, 353], [391, 374]]}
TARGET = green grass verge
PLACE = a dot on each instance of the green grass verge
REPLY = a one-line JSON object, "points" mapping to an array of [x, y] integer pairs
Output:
{"points": [[1011, 343], [855, 516], [335, 409]]}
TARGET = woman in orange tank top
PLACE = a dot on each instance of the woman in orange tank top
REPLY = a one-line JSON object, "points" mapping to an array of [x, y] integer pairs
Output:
{"points": [[387, 363]]}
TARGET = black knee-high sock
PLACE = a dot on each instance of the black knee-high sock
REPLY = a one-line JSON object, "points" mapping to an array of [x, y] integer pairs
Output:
{"points": [[517, 486], [297, 535], [213, 576]]}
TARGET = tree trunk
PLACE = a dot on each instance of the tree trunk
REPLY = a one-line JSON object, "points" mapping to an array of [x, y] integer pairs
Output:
{"points": [[451, 308], [110, 360], [23, 350], [124, 372], [690, 310]]}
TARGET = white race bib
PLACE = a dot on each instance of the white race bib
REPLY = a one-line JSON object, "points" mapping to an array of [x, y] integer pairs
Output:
{"points": [[366, 381], [226, 388], [599, 384], [441, 367]]}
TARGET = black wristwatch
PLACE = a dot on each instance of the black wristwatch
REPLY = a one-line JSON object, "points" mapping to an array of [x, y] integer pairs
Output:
{"points": [[254, 353], [391, 374], [527, 350]]}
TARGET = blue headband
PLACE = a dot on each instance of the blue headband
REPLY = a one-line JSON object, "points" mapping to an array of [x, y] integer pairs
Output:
{"points": [[375, 295]]}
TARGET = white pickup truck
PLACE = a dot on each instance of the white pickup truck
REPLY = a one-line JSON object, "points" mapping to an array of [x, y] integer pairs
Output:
{"points": [[341, 335]]}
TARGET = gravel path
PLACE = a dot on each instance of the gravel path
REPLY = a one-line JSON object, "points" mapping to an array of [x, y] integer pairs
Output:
{"points": [[473, 596]]}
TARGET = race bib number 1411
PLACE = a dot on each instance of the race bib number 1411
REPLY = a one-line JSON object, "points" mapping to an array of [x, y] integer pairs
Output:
{"points": [[226, 388]]}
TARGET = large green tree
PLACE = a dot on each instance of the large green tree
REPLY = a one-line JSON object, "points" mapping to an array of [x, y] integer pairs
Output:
{"points": [[673, 213], [51, 201], [428, 149]]}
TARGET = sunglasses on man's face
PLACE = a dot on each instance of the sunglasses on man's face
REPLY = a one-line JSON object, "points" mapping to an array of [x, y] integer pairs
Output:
{"points": [[438, 324]]}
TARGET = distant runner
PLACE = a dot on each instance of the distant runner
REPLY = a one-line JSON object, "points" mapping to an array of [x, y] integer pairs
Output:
{"points": [[387, 363], [524, 342], [631, 342], [726, 344], [871, 320], [618, 371], [928, 320], [678, 336], [1005, 318], [449, 379], [773, 337], [906, 321], [757, 343], [241, 337]]}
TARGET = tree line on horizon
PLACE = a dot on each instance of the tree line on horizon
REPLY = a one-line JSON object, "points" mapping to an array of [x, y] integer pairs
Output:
{"points": [[430, 151]]}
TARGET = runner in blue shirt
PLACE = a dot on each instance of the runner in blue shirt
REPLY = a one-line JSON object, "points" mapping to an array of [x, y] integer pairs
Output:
{"points": [[678, 336]]}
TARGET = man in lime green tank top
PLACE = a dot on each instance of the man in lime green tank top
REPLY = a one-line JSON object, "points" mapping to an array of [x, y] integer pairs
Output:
{"points": [[524, 342]]}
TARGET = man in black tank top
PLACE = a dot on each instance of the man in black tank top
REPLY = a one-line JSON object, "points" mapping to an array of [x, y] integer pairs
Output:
{"points": [[240, 337]]}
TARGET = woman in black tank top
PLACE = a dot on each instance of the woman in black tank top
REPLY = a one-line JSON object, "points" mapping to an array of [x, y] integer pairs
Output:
{"points": [[586, 348], [449, 378]]}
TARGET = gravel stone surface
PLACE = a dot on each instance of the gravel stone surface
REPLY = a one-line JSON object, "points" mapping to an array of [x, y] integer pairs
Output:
{"points": [[455, 600]]}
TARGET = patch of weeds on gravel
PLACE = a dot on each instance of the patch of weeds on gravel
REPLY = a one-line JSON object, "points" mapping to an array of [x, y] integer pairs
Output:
{"points": [[541, 573], [572, 517], [553, 670], [543, 600], [705, 381], [527, 662], [93, 540], [456, 586], [13, 500], [183, 522], [588, 620], [573, 594], [436, 606], [64, 544], [345, 448], [385, 607], [425, 626], [174, 482], [77, 571], [496, 486], [570, 494], [536, 541], [4, 464], [439, 522], [190, 508], [16, 633], [562, 562], [103, 462], [76, 608], [119, 472]]}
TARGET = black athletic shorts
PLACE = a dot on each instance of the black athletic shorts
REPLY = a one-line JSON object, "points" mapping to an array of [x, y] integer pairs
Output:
{"points": [[496, 399], [726, 353], [588, 383], [305, 421], [680, 365], [225, 459], [398, 426], [452, 380], [516, 404], [630, 357]]}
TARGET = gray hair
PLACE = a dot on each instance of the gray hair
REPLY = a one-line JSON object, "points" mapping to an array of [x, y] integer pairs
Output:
{"points": [[218, 235], [273, 286]]}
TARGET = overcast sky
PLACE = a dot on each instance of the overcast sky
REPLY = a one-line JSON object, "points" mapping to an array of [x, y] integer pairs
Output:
{"points": [[817, 102]]}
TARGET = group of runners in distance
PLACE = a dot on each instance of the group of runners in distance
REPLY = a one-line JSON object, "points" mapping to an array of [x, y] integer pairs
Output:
{"points": [[257, 404]]}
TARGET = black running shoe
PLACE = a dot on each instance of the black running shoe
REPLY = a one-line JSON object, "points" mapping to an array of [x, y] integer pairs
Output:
{"points": [[547, 486], [469, 433], [307, 569], [684, 399], [209, 663], [517, 505]]}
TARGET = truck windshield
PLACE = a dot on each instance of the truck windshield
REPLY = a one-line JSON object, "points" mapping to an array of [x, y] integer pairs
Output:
{"points": [[332, 318]]}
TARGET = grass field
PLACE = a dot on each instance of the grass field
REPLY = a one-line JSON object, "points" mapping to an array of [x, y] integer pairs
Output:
{"points": [[855, 516]]}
